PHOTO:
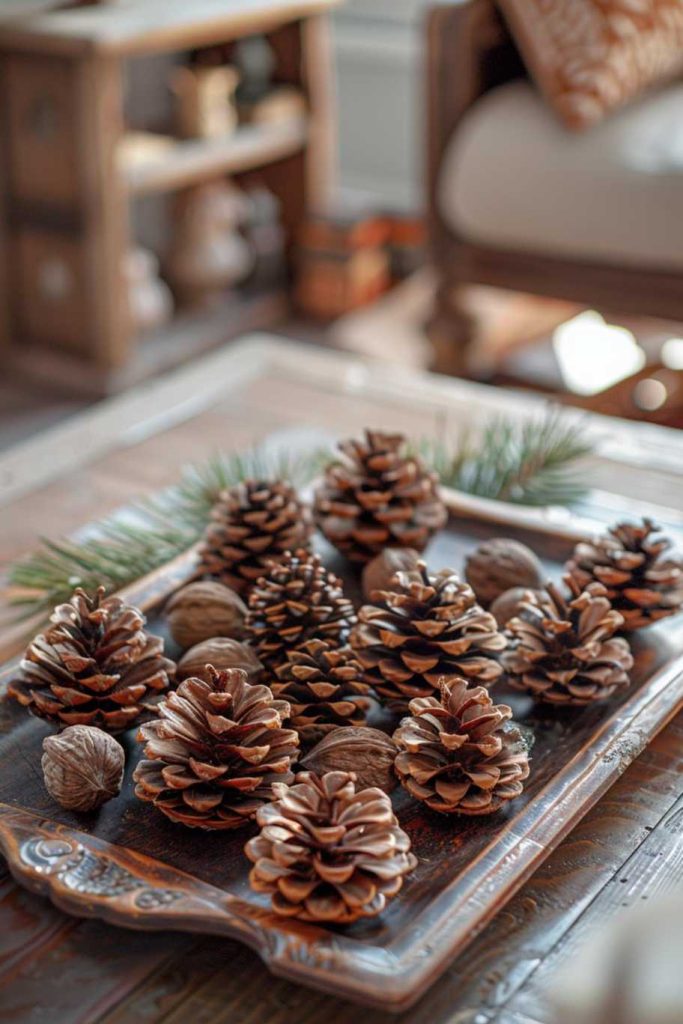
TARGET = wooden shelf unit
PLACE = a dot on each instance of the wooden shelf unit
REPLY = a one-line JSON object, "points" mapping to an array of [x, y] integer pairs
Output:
{"points": [[67, 180], [190, 161]]}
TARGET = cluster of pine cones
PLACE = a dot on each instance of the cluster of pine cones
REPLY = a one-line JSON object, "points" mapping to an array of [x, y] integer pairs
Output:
{"points": [[221, 749]]}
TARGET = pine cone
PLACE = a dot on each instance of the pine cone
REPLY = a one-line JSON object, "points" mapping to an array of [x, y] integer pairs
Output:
{"points": [[431, 628], [376, 497], [327, 852], [564, 650], [252, 524], [215, 751], [642, 585], [322, 684], [94, 665], [296, 601], [457, 754]]}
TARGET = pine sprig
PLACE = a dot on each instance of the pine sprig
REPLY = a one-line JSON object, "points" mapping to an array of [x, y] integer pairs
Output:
{"points": [[527, 463], [530, 463], [126, 547]]}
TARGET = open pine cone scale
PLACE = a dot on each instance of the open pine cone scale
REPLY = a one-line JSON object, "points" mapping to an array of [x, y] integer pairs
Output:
{"points": [[252, 524], [458, 752], [95, 664], [378, 496], [328, 853], [324, 687], [295, 601], [215, 751], [429, 628], [564, 649], [643, 583]]}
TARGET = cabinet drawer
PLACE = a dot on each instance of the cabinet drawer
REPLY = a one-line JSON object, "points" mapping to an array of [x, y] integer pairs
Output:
{"points": [[41, 98], [51, 290]]}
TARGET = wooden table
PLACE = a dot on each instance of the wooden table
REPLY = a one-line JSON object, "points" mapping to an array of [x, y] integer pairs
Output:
{"points": [[627, 848]]}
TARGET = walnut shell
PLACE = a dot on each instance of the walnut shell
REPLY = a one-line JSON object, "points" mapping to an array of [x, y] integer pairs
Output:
{"points": [[221, 652], [82, 767], [508, 605], [378, 573], [368, 753], [203, 610], [499, 564]]}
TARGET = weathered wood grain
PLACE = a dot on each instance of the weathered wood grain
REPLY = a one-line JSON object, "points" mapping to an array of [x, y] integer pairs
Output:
{"points": [[655, 868]]}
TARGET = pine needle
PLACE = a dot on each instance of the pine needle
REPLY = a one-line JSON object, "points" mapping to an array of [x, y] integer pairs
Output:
{"points": [[530, 463], [127, 546]]}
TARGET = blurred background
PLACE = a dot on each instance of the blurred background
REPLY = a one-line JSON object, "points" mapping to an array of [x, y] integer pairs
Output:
{"points": [[488, 189]]}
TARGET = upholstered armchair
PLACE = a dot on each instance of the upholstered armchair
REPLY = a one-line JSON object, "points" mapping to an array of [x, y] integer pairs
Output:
{"points": [[516, 200]]}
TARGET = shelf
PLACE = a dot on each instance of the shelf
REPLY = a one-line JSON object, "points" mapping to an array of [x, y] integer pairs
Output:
{"points": [[154, 26], [178, 164]]}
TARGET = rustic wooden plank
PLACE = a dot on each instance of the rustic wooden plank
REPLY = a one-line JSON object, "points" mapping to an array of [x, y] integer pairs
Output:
{"points": [[654, 869], [27, 930], [87, 968]]}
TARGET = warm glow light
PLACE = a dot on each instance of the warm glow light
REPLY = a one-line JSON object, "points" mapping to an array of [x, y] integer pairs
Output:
{"points": [[593, 355], [650, 394], [672, 353]]}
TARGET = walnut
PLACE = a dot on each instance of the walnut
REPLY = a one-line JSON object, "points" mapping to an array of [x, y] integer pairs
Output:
{"points": [[203, 610], [378, 573], [368, 753], [507, 605], [82, 767], [499, 564], [221, 652]]}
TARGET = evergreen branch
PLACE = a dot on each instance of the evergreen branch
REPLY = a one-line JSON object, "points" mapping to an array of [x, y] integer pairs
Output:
{"points": [[127, 546], [529, 463]]}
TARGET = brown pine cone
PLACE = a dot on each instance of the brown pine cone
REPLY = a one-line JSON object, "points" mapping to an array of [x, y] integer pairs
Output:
{"points": [[430, 628], [642, 584], [322, 684], [457, 754], [378, 496], [296, 601], [564, 651], [94, 665], [328, 853], [252, 524], [215, 751]]}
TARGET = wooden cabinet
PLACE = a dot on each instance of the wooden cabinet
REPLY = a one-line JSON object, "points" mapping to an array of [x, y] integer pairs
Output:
{"points": [[41, 96], [50, 290], [67, 181]]}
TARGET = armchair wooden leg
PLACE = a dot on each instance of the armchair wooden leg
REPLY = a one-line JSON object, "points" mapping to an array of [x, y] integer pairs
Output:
{"points": [[450, 330]]}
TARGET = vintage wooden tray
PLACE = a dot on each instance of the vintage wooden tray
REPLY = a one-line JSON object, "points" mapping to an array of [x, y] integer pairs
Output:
{"points": [[128, 865]]}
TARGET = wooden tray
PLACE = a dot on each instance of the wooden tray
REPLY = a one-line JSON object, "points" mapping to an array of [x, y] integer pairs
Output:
{"points": [[130, 866]]}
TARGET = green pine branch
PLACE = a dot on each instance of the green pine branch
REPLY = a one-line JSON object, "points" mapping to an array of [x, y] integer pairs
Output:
{"points": [[533, 463], [157, 529]]}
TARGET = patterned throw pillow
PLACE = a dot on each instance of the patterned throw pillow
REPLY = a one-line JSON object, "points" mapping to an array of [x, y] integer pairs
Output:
{"points": [[590, 56]]}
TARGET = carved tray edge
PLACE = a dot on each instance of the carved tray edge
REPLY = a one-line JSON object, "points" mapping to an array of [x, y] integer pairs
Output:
{"points": [[91, 878]]}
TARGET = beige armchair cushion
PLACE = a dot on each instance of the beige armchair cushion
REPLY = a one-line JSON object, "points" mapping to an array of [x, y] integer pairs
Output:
{"points": [[512, 178], [590, 56]]}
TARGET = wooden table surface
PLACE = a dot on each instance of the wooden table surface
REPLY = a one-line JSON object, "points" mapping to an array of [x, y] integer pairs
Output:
{"points": [[628, 847]]}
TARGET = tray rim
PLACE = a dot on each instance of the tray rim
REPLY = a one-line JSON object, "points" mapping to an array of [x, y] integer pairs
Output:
{"points": [[70, 868]]}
